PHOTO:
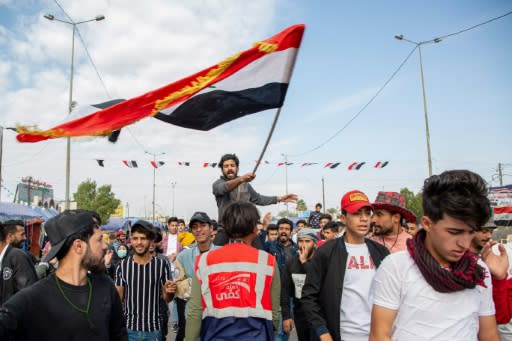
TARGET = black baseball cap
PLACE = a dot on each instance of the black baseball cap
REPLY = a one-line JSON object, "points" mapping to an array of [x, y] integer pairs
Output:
{"points": [[146, 226], [66, 224], [199, 216]]}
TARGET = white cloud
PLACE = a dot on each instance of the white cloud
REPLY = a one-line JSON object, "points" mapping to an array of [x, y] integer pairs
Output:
{"points": [[136, 48]]}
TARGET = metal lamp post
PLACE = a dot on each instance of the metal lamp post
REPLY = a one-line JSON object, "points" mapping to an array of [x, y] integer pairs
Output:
{"points": [[154, 176], [70, 104], [427, 130]]}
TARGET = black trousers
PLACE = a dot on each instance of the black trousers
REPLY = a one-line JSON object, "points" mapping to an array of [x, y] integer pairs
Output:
{"points": [[180, 305], [305, 331]]}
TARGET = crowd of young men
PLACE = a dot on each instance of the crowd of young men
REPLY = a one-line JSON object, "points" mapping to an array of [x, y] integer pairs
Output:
{"points": [[369, 275]]}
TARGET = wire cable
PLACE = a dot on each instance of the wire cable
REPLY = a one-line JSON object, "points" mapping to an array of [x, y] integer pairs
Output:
{"points": [[362, 109], [393, 75], [475, 26]]}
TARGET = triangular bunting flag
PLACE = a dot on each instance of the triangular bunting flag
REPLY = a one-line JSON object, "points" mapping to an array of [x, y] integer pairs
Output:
{"points": [[100, 163], [334, 165], [157, 164], [131, 164]]}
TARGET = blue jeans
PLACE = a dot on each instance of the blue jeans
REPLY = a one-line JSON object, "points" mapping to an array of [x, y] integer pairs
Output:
{"points": [[134, 335]]}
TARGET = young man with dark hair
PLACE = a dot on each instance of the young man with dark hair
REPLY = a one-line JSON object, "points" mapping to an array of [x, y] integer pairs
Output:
{"points": [[283, 248], [388, 220], [438, 288], [231, 187], [202, 229], [170, 244], [235, 290], [141, 280], [292, 280], [314, 217], [336, 294], [17, 269], [78, 301], [324, 219], [272, 232], [330, 231]]}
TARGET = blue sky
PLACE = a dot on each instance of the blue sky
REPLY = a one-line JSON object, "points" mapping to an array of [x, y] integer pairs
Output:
{"points": [[347, 54]]}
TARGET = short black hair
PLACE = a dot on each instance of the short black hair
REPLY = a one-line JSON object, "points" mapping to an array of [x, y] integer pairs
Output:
{"points": [[226, 157], [331, 226], [318, 205], [145, 228], [271, 227], [181, 221], [301, 221], [325, 216], [239, 219], [172, 219], [460, 194], [285, 221], [9, 226]]}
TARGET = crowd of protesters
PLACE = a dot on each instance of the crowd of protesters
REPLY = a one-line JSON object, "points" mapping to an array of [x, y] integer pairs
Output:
{"points": [[375, 272]]}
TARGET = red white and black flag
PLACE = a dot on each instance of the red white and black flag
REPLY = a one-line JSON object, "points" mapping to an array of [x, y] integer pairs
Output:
{"points": [[248, 82], [130, 163], [157, 164]]}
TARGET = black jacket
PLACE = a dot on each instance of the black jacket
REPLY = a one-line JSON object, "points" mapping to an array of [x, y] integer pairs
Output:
{"points": [[293, 266], [322, 291], [17, 272]]}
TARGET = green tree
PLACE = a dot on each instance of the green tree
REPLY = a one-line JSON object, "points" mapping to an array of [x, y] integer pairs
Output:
{"points": [[413, 202], [301, 205], [286, 214], [100, 200], [333, 211]]}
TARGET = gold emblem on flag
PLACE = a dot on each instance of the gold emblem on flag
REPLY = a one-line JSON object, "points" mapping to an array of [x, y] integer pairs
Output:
{"points": [[195, 85]]}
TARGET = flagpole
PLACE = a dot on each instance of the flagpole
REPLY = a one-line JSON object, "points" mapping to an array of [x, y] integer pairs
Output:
{"points": [[268, 139]]}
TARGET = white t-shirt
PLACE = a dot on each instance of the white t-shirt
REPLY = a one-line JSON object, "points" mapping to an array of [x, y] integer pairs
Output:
{"points": [[355, 309], [422, 312], [506, 329], [172, 243]]}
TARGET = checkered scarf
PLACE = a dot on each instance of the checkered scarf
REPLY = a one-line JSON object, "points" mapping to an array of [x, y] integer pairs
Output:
{"points": [[464, 274]]}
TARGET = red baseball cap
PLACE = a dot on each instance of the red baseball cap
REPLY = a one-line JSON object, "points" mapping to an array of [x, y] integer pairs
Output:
{"points": [[354, 200]]}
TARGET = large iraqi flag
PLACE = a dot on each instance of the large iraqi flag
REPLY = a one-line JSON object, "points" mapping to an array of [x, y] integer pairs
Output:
{"points": [[248, 82]]}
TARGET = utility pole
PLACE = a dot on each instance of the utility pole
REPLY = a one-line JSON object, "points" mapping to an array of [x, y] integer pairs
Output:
{"points": [[127, 210], [500, 173], [74, 25], [286, 179], [425, 112], [154, 177], [173, 185], [323, 195]]}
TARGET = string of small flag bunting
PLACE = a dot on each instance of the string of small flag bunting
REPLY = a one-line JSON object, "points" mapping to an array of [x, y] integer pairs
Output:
{"points": [[353, 166]]}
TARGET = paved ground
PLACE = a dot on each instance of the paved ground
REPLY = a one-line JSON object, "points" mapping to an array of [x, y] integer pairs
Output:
{"points": [[172, 335]]}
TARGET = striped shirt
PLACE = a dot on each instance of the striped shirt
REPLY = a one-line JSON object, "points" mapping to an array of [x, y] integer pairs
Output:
{"points": [[142, 291]]}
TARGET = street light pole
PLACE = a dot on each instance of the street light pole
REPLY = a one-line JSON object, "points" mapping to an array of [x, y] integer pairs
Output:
{"points": [[286, 179], [427, 129], [70, 102], [173, 184], [154, 176]]}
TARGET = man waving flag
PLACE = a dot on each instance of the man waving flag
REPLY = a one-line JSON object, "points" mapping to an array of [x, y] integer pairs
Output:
{"points": [[245, 83]]}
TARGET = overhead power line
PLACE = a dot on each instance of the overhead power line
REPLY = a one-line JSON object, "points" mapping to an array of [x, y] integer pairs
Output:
{"points": [[392, 76]]}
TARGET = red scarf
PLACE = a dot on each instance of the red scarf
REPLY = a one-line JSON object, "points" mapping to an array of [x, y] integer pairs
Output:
{"points": [[464, 274]]}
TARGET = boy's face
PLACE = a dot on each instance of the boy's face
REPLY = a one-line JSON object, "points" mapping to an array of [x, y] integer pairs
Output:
{"points": [[272, 235], [329, 234], [358, 224], [448, 239]]}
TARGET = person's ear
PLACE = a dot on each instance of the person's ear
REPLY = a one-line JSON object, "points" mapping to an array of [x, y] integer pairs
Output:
{"points": [[426, 222]]}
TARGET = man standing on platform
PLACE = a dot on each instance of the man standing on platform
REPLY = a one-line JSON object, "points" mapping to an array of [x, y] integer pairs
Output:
{"points": [[231, 187]]}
